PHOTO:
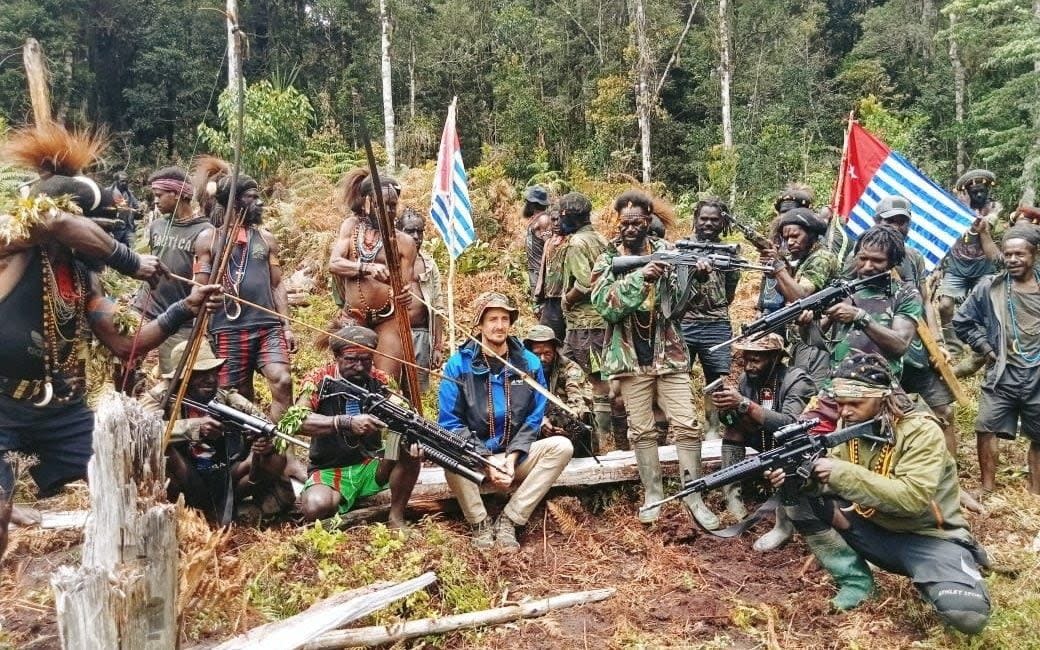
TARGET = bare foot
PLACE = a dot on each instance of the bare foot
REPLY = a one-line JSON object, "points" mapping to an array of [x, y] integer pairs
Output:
{"points": [[971, 504], [25, 516], [397, 523]]}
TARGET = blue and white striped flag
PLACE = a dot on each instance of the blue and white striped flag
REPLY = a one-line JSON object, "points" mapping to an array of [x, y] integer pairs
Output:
{"points": [[450, 208], [873, 171]]}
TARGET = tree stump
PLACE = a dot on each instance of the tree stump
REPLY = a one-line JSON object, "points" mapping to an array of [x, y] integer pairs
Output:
{"points": [[124, 594]]}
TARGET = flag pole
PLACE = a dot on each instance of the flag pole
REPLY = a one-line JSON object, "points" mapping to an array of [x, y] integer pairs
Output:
{"points": [[451, 253], [840, 184]]}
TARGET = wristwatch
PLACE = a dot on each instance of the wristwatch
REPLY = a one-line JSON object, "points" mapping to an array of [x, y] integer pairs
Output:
{"points": [[744, 406]]}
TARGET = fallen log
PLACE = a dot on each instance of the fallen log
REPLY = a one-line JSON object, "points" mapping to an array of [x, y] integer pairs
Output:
{"points": [[329, 614], [377, 635]]}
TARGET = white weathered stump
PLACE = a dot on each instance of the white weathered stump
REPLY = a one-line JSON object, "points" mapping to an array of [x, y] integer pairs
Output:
{"points": [[124, 594]]}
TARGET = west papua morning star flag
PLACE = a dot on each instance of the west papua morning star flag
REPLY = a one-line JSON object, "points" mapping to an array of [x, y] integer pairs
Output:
{"points": [[872, 171], [449, 206]]}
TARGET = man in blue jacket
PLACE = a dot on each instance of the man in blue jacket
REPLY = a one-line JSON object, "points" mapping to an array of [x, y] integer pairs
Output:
{"points": [[1000, 320], [488, 400]]}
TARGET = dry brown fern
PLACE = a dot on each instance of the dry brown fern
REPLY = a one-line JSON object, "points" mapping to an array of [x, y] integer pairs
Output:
{"points": [[563, 513]]}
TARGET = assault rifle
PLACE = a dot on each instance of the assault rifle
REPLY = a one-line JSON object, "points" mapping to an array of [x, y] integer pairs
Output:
{"points": [[626, 263], [250, 426], [795, 452], [575, 429], [446, 448], [754, 237], [823, 299]]}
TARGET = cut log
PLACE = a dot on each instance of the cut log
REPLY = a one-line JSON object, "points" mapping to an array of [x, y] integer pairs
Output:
{"points": [[326, 615], [377, 635], [616, 467], [128, 578]]}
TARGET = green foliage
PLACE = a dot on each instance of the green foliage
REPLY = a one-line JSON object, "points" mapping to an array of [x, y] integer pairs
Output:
{"points": [[275, 126]]}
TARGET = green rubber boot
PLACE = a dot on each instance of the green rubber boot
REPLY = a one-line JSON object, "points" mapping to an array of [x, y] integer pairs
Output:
{"points": [[848, 570], [689, 454], [733, 453], [649, 464]]}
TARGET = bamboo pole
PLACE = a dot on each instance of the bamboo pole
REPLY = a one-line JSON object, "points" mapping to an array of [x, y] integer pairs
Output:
{"points": [[377, 635]]}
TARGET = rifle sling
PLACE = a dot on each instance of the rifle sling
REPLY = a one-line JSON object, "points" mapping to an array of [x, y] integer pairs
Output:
{"points": [[744, 524]]}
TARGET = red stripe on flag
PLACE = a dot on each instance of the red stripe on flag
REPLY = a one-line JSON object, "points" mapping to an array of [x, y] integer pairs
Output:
{"points": [[863, 157]]}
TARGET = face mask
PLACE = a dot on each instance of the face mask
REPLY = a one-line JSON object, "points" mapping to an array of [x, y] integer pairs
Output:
{"points": [[978, 196]]}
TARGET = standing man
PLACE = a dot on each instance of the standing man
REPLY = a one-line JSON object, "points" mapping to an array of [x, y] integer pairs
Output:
{"points": [[919, 376], [876, 320], [707, 322], [122, 185], [248, 339], [176, 238], [565, 380], [808, 267], [793, 196], [893, 504], [427, 326], [1000, 320], [358, 263], [646, 352], [539, 229], [769, 395], [487, 401], [352, 455], [976, 253], [548, 291], [586, 329]]}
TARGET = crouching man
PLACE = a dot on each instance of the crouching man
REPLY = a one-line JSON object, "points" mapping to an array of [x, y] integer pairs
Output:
{"points": [[352, 454], [484, 399], [896, 505], [210, 462]]}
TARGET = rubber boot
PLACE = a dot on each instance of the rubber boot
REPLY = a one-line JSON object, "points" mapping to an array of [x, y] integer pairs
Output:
{"points": [[778, 536], [603, 432], [733, 453], [712, 426], [689, 454], [649, 464], [850, 573]]}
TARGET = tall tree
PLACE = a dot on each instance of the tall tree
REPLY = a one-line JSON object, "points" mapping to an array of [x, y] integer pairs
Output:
{"points": [[388, 86], [643, 70]]}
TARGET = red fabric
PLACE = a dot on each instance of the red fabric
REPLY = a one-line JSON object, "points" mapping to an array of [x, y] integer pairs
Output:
{"points": [[864, 154], [331, 370]]}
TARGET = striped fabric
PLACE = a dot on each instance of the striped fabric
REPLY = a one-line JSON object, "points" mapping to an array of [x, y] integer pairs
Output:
{"points": [[450, 207], [938, 217]]}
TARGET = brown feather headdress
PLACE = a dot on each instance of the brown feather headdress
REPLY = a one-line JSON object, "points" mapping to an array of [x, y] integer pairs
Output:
{"points": [[51, 148]]}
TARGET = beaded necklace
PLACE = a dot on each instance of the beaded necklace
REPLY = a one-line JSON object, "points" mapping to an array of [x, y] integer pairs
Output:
{"points": [[882, 466], [62, 306], [1016, 343], [491, 403], [646, 331], [235, 273], [367, 256]]}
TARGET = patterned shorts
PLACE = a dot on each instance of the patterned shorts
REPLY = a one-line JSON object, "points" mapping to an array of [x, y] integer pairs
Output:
{"points": [[352, 482], [247, 350]]}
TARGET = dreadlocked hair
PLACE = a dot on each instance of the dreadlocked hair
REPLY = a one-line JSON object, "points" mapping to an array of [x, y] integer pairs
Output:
{"points": [[52, 149], [872, 368], [885, 238], [714, 202], [356, 186]]}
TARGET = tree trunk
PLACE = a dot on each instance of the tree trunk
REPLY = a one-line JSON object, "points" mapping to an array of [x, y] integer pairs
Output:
{"points": [[1032, 161], [36, 73], [958, 95], [643, 101], [234, 69], [411, 85], [725, 81], [124, 594], [388, 95]]}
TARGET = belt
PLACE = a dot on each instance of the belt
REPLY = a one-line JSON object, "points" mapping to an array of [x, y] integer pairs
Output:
{"points": [[21, 388]]}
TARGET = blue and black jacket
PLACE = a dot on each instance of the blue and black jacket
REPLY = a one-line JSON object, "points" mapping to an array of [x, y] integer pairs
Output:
{"points": [[464, 406]]}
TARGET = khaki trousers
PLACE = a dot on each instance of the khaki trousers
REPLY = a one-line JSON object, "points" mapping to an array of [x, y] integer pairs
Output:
{"points": [[673, 396], [532, 479]]}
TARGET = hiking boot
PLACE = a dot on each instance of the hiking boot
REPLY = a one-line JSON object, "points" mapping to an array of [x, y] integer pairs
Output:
{"points": [[505, 534], [689, 469], [483, 534], [848, 570], [731, 455]]}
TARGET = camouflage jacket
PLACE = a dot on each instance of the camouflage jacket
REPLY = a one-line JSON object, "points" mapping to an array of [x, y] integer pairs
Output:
{"points": [[580, 253], [621, 301], [905, 302], [568, 382], [550, 275]]}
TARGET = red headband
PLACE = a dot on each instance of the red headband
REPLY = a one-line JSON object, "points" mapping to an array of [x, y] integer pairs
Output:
{"points": [[184, 188]]}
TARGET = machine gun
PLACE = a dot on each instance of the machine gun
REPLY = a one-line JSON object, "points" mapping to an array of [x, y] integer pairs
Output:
{"points": [[449, 450], [795, 452], [250, 426], [575, 429], [825, 298], [720, 262], [754, 237]]}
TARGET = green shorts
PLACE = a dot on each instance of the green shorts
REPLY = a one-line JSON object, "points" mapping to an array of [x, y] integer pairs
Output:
{"points": [[352, 482]]}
